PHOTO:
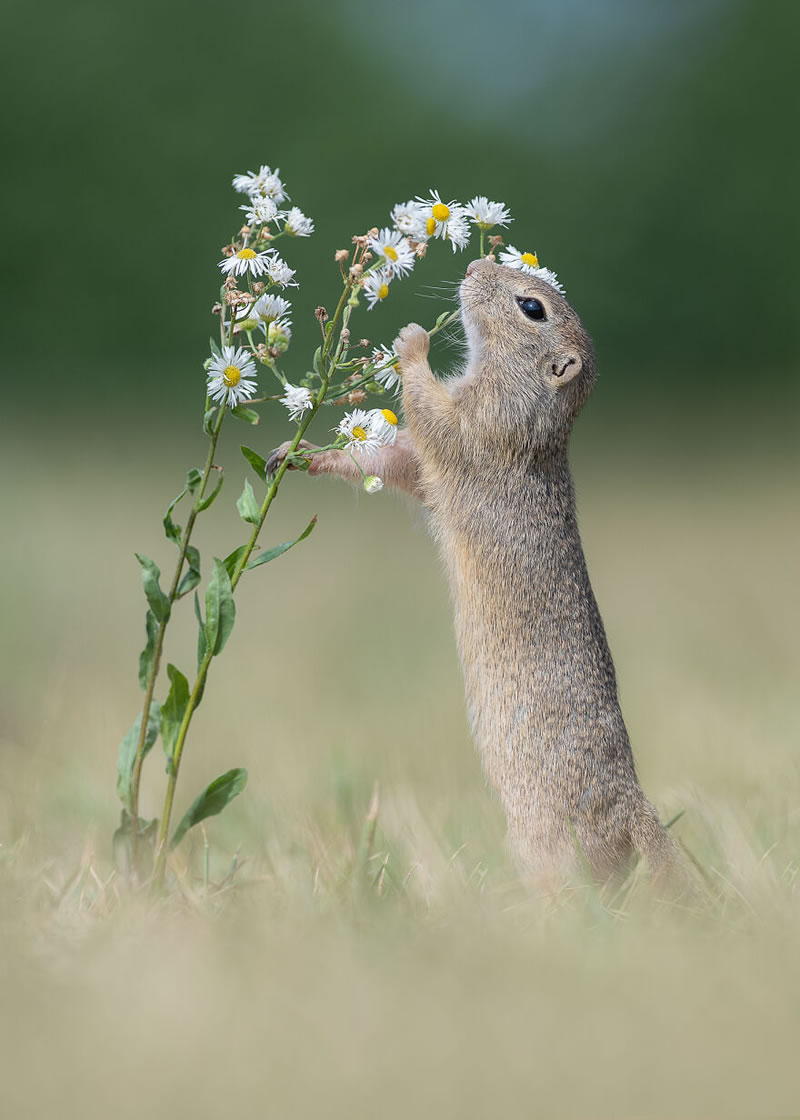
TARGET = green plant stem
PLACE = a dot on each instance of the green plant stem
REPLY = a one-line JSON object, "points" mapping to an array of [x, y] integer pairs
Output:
{"points": [[342, 313], [136, 773]]}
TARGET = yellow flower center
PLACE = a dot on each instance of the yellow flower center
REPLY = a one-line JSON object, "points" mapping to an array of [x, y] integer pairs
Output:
{"points": [[359, 433], [430, 226], [231, 375], [383, 291], [390, 252], [246, 254], [389, 416], [440, 212], [531, 259]]}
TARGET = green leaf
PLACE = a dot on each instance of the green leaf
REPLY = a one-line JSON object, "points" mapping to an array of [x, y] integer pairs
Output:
{"points": [[319, 369], [127, 751], [441, 318], [220, 609], [201, 632], [279, 549], [209, 498], [299, 461], [249, 415], [233, 558], [173, 711], [159, 602], [247, 505], [148, 653], [211, 801], [214, 348], [207, 418], [173, 531], [191, 577], [256, 461]]}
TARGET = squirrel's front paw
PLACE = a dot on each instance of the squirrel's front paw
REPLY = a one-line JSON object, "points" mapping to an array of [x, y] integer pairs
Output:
{"points": [[412, 343]]}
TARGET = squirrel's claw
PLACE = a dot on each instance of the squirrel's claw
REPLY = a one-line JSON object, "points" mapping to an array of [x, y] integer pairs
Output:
{"points": [[275, 461]]}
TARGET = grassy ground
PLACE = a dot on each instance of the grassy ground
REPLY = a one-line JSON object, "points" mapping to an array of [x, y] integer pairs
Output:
{"points": [[296, 974]]}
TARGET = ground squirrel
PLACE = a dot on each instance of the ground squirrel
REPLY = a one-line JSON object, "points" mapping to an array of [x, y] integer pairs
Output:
{"points": [[486, 452]]}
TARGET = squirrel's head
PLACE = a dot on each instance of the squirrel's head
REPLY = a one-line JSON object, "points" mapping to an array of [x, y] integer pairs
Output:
{"points": [[530, 345]]}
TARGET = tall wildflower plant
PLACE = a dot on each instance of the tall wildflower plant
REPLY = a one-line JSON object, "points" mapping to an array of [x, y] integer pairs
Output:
{"points": [[254, 337]]}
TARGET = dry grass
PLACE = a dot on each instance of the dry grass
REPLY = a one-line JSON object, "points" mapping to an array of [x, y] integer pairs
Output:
{"points": [[299, 972]]}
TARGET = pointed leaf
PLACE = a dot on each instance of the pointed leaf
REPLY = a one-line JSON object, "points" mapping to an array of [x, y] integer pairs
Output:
{"points": [[211, 801], [209, 498], [159, 603], [214, 348], [191, 577], [319, 369], [249, 415], [128, 747], [207, 418], [279, 549], [233, 558], [247, 505], [220, 609], [173, 711], [148, 653], [201, 631], [256, 461], [172, 530]]}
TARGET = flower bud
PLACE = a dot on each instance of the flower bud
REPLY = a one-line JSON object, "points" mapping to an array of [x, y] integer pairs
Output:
{"points": [[372, 484]]}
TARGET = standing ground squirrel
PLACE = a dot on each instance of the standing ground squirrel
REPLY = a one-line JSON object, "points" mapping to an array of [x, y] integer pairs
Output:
{"points": [[486, 452]]}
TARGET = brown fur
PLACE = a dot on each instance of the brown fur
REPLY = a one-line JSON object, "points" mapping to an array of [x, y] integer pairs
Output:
{"points": [[487, 453]]}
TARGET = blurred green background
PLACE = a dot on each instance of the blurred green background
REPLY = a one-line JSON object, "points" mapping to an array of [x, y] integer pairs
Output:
{"points": [[648, 152]]}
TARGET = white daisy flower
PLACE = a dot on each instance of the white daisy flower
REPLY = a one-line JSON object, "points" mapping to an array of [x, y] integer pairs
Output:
{"points": [[376, 286], [265, 181], [529, 262], [358, 432], [550, 278], [440, 215], [297, 399], [260, 211], [279, 272], [297, 224], [279, 334], [486, 214], [395, 250], [525, 262], [267, 309], [383, 422], [231, 376], [408, 218], [457, 231], [372, 484], [386, 368], [246, 260]]}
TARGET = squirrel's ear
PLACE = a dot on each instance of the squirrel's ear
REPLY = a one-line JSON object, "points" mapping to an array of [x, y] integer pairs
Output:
{"points": [[564, 367]]}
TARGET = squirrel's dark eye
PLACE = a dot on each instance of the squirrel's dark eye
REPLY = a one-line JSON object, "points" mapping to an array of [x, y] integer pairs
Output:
{"points": [[532, 308]]}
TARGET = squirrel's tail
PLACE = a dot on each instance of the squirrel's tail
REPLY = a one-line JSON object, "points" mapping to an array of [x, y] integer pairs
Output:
{"points": [[662, 855]]}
